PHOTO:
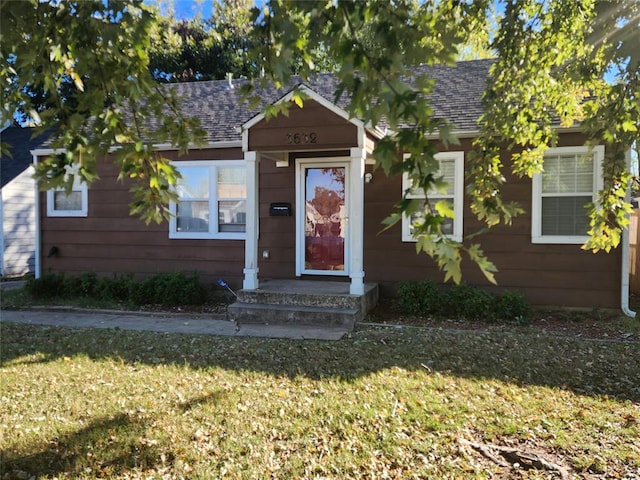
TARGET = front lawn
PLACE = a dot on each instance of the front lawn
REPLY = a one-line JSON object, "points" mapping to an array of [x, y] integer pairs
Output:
{"points": [[383, 403]]}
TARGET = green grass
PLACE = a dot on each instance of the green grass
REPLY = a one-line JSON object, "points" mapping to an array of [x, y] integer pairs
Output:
{"points": [[78, 403]]}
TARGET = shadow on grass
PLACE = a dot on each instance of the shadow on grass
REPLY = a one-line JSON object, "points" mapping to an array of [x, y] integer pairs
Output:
{"points": [[584, 366], [107, 446]]}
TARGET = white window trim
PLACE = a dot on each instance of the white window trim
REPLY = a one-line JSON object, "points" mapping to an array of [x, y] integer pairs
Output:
{"points": [[536, 195], [82, 212], [458, 197], [213, 203]]}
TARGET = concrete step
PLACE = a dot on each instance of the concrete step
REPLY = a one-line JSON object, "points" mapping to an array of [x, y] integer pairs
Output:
{"points": [[301, 299], [303, 302], [264, 313]]}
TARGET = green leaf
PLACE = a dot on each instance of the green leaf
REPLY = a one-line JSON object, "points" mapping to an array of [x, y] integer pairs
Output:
{"points": [[444, 208], [486, 267], [446, 135]]}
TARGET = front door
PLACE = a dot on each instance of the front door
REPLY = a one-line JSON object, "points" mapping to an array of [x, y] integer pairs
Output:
{"points": [[322, 228]]}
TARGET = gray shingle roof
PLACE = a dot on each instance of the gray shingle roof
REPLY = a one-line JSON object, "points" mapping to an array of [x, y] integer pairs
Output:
{"points": [[456, 97], [458, 92], [20, 145]]}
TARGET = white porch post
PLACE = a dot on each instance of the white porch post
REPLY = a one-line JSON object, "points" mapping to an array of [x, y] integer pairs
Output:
{"points": [[252, 160], [356, 221]]}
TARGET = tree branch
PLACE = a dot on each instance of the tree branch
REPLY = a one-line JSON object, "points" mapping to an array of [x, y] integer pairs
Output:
{"points": [[512, 457]]}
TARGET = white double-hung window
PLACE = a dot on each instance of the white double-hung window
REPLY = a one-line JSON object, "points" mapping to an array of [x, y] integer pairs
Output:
{"points": [[72, 204], [451, 169], [212, 200], [571, 178]]}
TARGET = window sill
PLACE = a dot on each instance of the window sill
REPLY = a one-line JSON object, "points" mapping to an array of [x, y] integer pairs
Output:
{"points": [[560, 239], [66, 213], [207, 236], [455, 238]]}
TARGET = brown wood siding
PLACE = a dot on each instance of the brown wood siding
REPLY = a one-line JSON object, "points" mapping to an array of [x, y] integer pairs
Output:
{"points": [[563, 275], [277, 234], [314, 123], [110, 241]]}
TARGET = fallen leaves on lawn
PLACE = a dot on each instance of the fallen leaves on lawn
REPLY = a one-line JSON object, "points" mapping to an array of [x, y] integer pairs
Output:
{"points": [[383, 403]]}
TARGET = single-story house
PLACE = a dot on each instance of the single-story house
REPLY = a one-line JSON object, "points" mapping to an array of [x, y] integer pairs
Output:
{"points": [[297, 197], [17, 202]]}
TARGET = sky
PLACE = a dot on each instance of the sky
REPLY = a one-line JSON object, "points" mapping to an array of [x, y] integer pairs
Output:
{"points": [[185, 9], [190, 8]]}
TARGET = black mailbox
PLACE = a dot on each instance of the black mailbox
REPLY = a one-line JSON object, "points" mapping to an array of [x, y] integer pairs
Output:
{"points": [[280, 210]]}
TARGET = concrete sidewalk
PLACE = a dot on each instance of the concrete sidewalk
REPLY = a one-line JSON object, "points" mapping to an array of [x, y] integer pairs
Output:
{"points": [[192, 324]]}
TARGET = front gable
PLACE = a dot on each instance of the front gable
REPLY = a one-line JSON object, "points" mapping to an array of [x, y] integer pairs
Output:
{"points": [[319, 125]]}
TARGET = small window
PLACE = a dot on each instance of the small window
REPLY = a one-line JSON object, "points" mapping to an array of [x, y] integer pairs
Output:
{"points": [[72, 204], [570, 180], [451, 169], [212, 200]]}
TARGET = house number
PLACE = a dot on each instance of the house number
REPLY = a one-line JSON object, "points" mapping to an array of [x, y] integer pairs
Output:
{"points": [[299, 138]]}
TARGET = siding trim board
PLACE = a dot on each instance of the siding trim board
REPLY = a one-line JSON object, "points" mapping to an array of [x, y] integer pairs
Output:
{"points": [[163, 147]]}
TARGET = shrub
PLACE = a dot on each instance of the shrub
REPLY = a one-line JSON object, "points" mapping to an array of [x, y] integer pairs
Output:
{"points": [[170, 289], [419, 298], [119, 288], [462, 301], [470, 303], [48, 286], [165, 289], [84, 285], [512, 306]]}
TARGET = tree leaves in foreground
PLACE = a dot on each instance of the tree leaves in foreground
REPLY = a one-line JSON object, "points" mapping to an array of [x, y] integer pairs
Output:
{"points": [[553, 58], [563, 63], [82, 68], [204, 49]]}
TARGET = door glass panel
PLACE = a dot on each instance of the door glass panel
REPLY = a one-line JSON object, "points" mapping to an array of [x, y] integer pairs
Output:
{"points": [[325, 219]]}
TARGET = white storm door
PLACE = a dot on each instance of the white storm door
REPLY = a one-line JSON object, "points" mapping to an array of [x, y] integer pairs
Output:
{"points": [[322, 222]]}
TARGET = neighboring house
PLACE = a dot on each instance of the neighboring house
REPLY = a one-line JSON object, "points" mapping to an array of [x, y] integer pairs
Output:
{"points": [[297, 197], [17, 203]]}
